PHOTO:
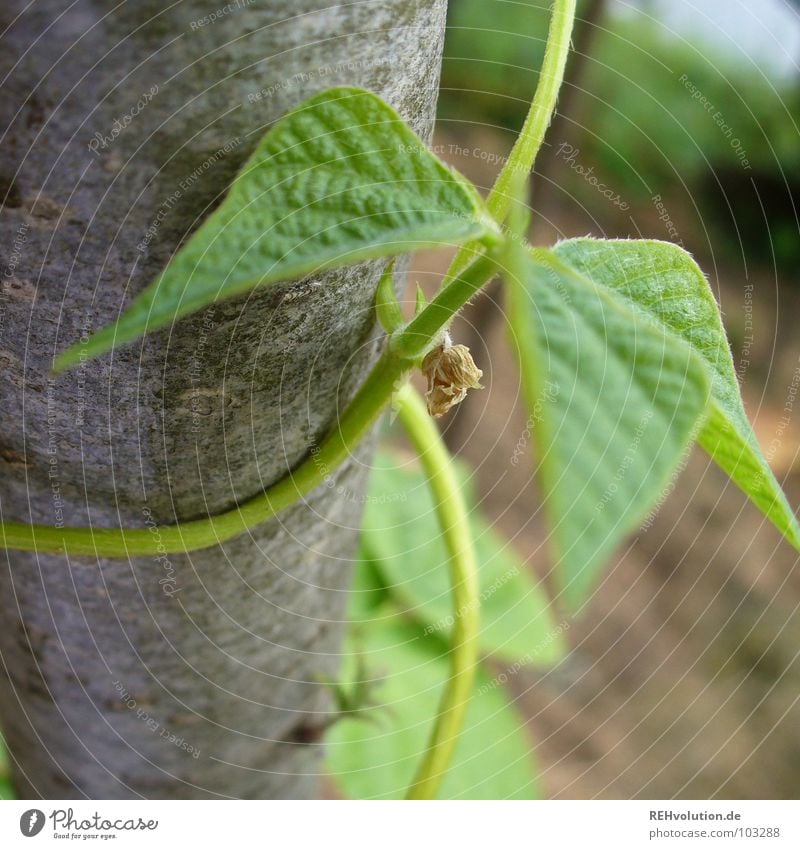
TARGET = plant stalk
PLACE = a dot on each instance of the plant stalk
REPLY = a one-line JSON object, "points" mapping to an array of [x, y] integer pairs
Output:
{"points": [[451, 510], [398, 360], [359, 416], [522, 158], [422, 332], [464, 279], [523, 155]]}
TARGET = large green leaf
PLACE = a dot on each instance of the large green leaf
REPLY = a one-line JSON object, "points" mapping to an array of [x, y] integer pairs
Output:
{"points": [[338, 180], [662, 281], [375, 757], [402, 538], [613, 403]]}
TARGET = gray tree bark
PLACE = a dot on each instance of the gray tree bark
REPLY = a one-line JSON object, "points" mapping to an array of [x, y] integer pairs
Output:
{"points": [[189, 676]]}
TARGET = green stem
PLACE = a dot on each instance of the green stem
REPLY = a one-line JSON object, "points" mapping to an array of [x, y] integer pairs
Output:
{"points": [[453, 518], [376, 391], [359, 416], [523, 155], [421, 332], [462, 282]]}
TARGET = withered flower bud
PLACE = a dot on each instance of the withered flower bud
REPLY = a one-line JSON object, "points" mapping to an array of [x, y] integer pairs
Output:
{"points": [[451, 371]]}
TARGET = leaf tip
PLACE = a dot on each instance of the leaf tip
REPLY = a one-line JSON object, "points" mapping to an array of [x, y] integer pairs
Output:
{"points": [[87, 349], [66, 359]]}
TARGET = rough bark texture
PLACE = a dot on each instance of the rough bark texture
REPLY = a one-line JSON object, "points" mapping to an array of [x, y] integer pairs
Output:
{"points": [[181, 676]]}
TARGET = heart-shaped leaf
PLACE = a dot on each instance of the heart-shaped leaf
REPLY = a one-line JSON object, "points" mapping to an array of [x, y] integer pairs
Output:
{"points": [[339, 180], [375, 756], [402, 539], [661, 281], [614, 402]]}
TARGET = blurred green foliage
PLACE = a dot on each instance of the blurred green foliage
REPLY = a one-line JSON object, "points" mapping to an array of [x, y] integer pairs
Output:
{"points": [[654, 114], [492, 52], [398, 643], [6, 790], [638, 115]]}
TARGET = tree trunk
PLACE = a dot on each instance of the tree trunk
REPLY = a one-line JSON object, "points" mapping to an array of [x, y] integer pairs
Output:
{"points": [[188, 676]]}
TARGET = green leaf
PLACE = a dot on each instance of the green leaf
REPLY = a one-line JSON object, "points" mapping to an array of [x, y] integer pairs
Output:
{"points": [[375, 757], [663, 282], [6, 790], [339, 180], [403, 540], [368, 590], [387, 307], [613, 401]]}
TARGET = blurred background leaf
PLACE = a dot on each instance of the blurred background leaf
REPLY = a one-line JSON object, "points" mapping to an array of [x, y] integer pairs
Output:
{"points": [[375, 757], [401, 539], [632, 114], [396, 654], [6, 790]]}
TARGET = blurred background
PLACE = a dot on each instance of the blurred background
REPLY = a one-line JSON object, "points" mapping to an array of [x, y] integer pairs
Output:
{"points": [[678, 121]]}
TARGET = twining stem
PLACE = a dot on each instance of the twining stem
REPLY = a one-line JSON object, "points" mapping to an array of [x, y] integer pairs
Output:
{"points": [[523, 155], [463, 280], [359, 416], [451, 511], [421, 333], [404, 350]]}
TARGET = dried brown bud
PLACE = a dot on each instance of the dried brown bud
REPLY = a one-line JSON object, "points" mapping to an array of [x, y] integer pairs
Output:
{"points": [[451, 371]]}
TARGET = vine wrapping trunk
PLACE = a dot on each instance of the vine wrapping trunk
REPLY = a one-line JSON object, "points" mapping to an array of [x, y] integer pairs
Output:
{"points": [[180, 675]]}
